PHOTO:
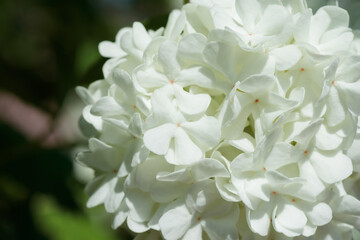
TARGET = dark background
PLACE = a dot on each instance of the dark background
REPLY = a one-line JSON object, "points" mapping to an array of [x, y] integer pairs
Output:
{"points": [[47, 47]]}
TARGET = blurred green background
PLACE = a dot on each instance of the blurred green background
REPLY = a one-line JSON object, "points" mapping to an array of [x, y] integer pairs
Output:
{"points": [[47, 47]]}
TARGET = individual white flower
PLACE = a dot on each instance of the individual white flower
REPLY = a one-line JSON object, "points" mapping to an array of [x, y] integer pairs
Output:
{"points": [[168, 70], [253, 22], [202, 210], [204, 16], [178, 128], [107, 186], [89, 123], [267, 24], [343, 89], [127, 51], [251, 96], [346, 214], [327, 32], [128, 48], [122, 100], [154, 184]]}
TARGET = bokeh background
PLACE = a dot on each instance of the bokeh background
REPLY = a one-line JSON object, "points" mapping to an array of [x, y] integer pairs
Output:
{"points": [[47, 47]]}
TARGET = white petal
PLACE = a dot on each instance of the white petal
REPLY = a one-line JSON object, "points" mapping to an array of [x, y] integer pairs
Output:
{"points": [[281, 155], [137, 227], [154, 221], [201, 77], [186, 151], [162, 106], [286, 57], [102, 157], [175, 222], [90, 123], [181, 175], [115, 132], [115, 195], [336, 111], [124, 81], [167, 58], [107, 107], [227, 191], [257, 83], [320, 214], [331, 168], [308, 133], [85, 95], [244, 142], [223, 228], [135, 125], [289, 220], [165, 192], [242, 162], [352, 95], [146, 172], [258, 186], [199, 18], [275, 21], [140, 205], [191, 47], [150, 78], [175, 24], [207, 168], [205, 132], [127, 44], [158, 139], [195, 232], [99, 189], [111, 64], [330, 232], [250, 12], [140, 36], [313, 186], [120, 216], [347, 204], [239, 184], [109, 49], [327, 140], [259, 218], [191, 104], [222, 57]]}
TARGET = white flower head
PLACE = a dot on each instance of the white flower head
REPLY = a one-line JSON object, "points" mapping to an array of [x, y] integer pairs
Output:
{"points": [[238, 120]]}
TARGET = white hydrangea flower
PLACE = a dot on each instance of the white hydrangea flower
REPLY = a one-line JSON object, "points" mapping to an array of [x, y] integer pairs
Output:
{"points": [[326, 32], [202, 210], [238, 120]]}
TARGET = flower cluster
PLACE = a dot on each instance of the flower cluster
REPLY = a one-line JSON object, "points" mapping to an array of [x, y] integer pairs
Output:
{"points": [[239, 119]]}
